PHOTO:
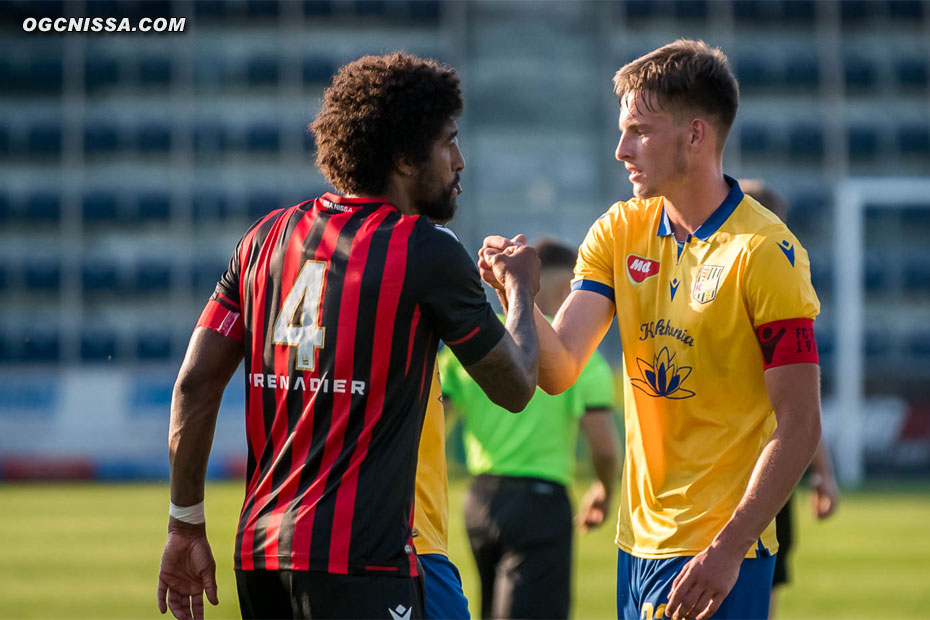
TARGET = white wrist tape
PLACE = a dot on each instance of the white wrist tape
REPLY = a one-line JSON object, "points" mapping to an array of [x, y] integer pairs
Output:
{"points": [[188, 514]]}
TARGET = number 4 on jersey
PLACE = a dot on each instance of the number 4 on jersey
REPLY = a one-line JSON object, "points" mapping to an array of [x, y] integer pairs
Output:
{"points": [[303, 331]]}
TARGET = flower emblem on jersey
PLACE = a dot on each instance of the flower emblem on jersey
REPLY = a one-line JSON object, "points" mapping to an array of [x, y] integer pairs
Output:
{"points": [[662, 378]]}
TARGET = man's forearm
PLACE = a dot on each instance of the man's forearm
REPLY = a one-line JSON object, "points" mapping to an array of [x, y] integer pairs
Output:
{"points": [[522, 327], [193, 421], [208, 366]]}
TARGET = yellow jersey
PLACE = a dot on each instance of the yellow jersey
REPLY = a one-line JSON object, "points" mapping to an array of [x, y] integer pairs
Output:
{"points": [[431, 508], [696, 408]]}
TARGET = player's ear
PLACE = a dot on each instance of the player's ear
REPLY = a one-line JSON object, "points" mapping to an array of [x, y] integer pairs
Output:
{"points": [[699, 131], [403, 165]]}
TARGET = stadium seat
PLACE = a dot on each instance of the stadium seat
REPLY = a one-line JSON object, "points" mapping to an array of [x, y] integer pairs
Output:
{"points": [[807, 204], [152, 276], [101, 138], [799, 10], [154, 206], [209, 204], [907, 10], [100, 276], [640, 9], [260, 203], [803, 72], [319, 8], [262, 71], [209, 9], [859, 74], [42, 206], [262, 9], [103, 8], [42, 75], [805, 141], [153, 345], [917, 272], [100, 206], [862, 143], [42, 274], [878, 342], [919, 343], [755, 140], [209, 139], [821, 270], [154, 138], [753, 72], [6, 143], [911, 72], [263, 137], [854, 12], [205, 273], [152, 8], [875, 277], [44, 140], [914, 140], [100, 72], [8, 351], [370, 8], [317, 70], [425, 11], [690, 10], [750, 11], [155, 71], [98, 345], [41, 345]]}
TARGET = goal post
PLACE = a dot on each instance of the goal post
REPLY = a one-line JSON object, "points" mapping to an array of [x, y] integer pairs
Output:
{"points": [[852, 195]]}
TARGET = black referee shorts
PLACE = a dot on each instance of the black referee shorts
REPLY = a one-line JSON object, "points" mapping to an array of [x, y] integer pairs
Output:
{"points": [[270, 594], [784, 531]]}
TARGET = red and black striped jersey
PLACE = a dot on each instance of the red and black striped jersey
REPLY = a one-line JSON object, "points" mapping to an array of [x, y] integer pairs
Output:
{"points": [[342, 304]]}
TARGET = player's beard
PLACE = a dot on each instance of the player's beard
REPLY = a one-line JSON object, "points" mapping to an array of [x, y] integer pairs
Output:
{"points": [[435, 201]]}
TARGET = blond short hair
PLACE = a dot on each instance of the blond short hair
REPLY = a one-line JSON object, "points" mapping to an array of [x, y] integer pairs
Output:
{"points": [[686, 76]]}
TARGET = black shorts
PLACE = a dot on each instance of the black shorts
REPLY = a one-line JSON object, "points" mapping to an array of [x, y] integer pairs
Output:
{"points": [[520, 530], [306, 594], [784, 531]]}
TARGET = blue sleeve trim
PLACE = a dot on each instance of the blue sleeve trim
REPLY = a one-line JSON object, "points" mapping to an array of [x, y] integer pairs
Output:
{"points": [[594, 287]]}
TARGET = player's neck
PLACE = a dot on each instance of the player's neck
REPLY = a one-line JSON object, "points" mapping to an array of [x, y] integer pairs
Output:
{"points": [[694, 201], [399, 193]]}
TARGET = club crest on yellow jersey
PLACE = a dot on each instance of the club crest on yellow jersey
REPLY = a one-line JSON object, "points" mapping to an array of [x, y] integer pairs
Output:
{"points": [[704, 289]]}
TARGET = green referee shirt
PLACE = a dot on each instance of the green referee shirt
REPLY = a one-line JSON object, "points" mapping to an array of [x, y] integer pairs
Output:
{"points": [[538, 442]]}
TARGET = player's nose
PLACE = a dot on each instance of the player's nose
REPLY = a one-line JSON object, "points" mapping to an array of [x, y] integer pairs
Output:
{"points": [[458, 160]]}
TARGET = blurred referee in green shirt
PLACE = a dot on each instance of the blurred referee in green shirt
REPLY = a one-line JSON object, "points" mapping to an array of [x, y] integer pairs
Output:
{"points": [[517, 511]]}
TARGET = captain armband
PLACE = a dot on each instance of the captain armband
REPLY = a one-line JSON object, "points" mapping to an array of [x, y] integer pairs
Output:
{"points": [[790, 341], [222, 320]]}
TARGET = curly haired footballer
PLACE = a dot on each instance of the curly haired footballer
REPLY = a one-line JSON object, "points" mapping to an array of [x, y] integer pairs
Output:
{"points": [[377, 109]]}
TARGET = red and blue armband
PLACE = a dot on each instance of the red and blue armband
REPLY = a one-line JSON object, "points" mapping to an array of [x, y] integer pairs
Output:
{"points": [[222, 320], [790, 341]]}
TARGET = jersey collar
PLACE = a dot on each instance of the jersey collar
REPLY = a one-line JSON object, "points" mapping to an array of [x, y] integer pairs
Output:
{"points": [[716, 219], [354, 203]]}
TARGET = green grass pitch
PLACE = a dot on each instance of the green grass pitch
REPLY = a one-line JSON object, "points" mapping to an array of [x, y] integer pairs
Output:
{"points": [[92, 551]]}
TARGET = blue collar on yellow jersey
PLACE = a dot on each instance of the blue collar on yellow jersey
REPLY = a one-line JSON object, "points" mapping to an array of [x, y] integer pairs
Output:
{"points": [[716, 219]]}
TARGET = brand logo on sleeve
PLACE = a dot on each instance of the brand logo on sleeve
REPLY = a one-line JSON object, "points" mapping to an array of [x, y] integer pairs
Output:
{"points": [[788, 249], [639, 268]]}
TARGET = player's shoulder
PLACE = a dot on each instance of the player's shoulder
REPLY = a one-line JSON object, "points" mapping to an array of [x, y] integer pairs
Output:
{"points": [[765, 227], [633, 211]]}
